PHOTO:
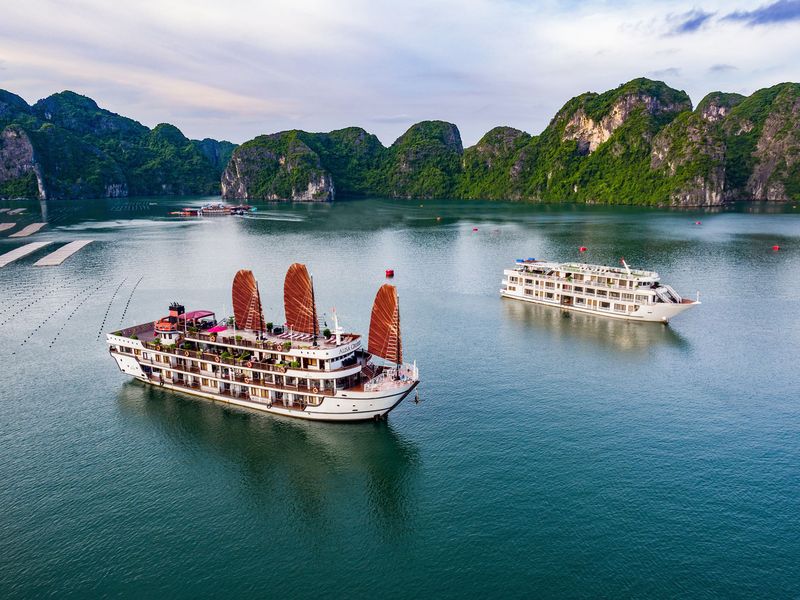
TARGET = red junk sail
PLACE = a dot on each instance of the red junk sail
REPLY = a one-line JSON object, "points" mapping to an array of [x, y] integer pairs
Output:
{"points": [[384, 327], [298, 300], [247, 302]]}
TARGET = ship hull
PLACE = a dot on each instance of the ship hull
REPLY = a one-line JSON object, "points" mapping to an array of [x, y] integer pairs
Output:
{"points": [[654, 313], [344, 406]]}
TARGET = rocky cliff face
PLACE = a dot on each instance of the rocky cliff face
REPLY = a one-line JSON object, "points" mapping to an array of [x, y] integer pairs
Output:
{"points": [[733, 148], [590, 133], [279, 166], [690, 156], [597, 117], [20, 173], [776, 157]]}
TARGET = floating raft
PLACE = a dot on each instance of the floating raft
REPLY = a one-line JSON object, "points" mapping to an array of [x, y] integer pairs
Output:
{"points": [[2, 210], [32, 228], [4, 226], [16, 211], [21, 252], [59, 256]]}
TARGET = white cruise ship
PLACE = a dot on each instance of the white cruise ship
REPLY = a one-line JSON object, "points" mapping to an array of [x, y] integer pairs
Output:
{"points": [[295, 370], [618, 292]]}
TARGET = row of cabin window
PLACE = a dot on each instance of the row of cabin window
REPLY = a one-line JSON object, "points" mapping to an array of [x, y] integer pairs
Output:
{"points": [[591, 291], [593, 279]]}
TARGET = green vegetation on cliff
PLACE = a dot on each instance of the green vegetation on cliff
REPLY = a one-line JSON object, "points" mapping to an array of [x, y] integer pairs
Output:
{"points": [[640, 143], [274, 167], [84, 151]]}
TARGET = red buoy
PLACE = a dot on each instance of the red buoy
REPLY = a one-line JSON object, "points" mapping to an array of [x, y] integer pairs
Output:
{"points": [[474, 229], [583, 248], [390, 272], [697, 222], [776, 247]]}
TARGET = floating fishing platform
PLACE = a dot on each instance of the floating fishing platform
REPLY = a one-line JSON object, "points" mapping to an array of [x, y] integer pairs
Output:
{"points": [[4, 226], [59, 256], [21, 252], [30, 229]]}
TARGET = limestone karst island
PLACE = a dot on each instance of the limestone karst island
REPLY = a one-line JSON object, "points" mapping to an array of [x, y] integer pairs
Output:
{"points": [[641, 143]]}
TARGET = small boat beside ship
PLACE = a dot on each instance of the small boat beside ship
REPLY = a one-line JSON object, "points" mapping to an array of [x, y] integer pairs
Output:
{"points": [[296, 370], [617, 292]]}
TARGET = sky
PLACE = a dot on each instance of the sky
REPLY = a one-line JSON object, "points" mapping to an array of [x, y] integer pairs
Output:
{"points": [[235, 69]]}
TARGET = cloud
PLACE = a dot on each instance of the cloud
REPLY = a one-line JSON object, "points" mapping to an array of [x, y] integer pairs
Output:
{"points": [[668, 72], [240, 68], [689, 22], [721, 68], [782, 11]]}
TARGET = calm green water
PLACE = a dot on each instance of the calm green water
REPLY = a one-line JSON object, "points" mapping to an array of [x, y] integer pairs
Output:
{"points": [[551, 455]]}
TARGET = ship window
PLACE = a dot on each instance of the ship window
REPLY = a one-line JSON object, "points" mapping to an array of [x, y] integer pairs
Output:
{"points": [[529, 292], [642, 299], [578, 288], [619, 307], [614, 295], [605, 305], [627, 296], [529, 282], [511, 288], [601, 292], [549, 295], [590, 290]]}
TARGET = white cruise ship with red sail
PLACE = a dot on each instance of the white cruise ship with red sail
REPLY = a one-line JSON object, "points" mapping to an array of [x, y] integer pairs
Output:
{"points": [[296, 370]]}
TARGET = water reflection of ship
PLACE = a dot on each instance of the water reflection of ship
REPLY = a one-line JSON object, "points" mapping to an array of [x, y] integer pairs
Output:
{"points": [[305, 458], [621, 335]]}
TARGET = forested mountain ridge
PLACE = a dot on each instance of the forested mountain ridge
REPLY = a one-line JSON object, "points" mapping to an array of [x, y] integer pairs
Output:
{"points": [[640, 143]]}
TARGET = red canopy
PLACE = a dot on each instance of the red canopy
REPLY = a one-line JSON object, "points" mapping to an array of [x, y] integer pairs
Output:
{"points": [[196, 314]]}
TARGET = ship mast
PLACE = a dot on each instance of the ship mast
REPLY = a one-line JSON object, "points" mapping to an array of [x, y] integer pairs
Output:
{"points": [[315, 323]]}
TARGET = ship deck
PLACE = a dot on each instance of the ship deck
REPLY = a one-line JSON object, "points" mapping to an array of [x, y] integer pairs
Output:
{"points": [[249, 339]]}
